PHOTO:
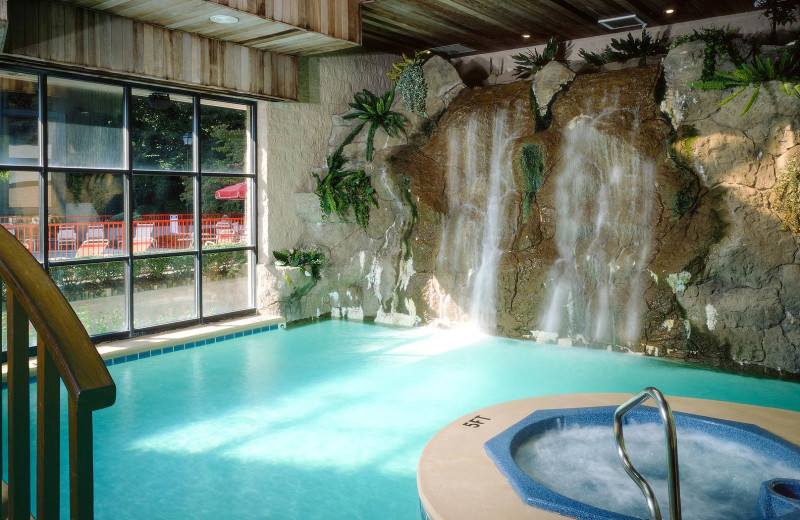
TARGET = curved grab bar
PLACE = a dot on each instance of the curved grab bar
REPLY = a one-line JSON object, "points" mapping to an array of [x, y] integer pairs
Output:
{"points": [[672, 452]]}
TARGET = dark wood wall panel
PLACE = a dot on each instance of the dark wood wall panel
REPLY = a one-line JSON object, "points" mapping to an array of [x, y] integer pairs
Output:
{"points": [[77, 39]]}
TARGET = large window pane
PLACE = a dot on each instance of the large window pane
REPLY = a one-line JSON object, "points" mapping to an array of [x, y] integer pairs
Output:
{"points": [[164, 290], [19, 118], [161, 131], [84, 124], [163, 218], [224, 137], [226, 282], [97, 293], [226, 211], [19, 207], [86, 215]]}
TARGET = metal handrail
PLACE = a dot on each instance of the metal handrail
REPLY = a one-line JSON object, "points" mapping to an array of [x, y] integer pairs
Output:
{"points": [[672, 452]]}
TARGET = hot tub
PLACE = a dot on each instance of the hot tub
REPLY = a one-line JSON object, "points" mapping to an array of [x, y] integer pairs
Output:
{"points": [[456, 479], [564, 460]]}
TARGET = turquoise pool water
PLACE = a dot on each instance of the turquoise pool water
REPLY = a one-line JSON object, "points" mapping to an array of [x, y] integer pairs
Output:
{"points": [[327, 421]]}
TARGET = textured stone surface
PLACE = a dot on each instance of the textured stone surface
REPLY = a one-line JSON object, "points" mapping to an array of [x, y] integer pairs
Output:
{"points": [[744, 304], [714, 218], [549, 81], [293, 139]]}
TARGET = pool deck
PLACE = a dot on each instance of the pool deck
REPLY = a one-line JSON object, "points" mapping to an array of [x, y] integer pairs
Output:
{"points": [[123, 348], [457, 480]]}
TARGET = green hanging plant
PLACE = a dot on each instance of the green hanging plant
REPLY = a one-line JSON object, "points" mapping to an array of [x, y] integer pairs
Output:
{"points": [[529, 64], [413, 89], [312, 261], [783, 69], [627, 48], [409, 80], [375, 111], [418, 58], [532, 165], [787, 190], [719, 45], [344, 190]]}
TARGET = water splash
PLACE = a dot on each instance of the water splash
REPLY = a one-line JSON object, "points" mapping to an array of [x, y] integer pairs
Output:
{"points": [[604, 199]]}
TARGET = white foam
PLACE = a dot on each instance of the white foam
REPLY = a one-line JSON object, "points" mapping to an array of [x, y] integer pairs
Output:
{"points": [[720, 479]]}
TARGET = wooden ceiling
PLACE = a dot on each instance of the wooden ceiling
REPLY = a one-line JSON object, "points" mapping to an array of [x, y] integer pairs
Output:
{"points": [[296, 27], [494, 25]]}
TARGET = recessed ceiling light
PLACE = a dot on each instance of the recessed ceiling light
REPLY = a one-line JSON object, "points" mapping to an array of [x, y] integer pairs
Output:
{"points": [[526, 35], [223, 18], [669, 11]]}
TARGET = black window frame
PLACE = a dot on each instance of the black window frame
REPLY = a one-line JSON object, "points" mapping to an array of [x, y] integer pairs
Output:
{"points": [[128, 173]]}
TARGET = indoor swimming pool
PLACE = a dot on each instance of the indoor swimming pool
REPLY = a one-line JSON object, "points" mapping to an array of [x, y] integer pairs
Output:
{"points": [[328, 420]]}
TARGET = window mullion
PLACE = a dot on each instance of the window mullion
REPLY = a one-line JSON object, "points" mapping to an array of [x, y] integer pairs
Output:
{"points": [[198, 220], [128, 206]]}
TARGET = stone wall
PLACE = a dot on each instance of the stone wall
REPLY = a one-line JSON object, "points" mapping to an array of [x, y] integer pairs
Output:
{"points": [[722, 285], [292, 140]]}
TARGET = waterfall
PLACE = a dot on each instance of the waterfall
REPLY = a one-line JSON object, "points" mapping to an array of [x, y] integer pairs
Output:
{"points": [[604, 199], [480, 189]]}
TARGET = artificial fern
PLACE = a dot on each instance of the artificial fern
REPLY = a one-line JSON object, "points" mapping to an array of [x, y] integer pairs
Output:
{"points": [[719, 44], [342, 190], [627, 48], [532, 165], [761, 70], [528, 64], [300, 258], [375, 111]]}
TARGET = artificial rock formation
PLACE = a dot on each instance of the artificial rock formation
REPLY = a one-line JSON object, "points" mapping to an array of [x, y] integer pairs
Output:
{"points": [[718, 283]]}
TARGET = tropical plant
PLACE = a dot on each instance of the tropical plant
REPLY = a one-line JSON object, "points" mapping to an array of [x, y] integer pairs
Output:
{"points": [[783, 69], [779, 13], [787, 190], [532, 168], [719, 45], [528, 64], [310, 260], [627, 48], [375, 110], [418, 58], [413, 89], [342, 190]]}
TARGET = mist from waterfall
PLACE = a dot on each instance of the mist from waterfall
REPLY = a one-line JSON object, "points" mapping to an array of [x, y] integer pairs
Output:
{"points": [[604, 198], [480, 189]]}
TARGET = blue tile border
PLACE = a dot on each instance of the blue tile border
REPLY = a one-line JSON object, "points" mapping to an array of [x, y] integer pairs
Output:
{"points": [[124, 358]]}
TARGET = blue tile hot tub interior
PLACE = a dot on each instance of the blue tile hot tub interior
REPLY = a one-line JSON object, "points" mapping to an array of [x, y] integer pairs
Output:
{"points": [[503, 448]]}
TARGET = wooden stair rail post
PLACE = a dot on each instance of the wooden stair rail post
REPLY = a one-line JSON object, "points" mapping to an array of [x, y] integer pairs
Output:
{"points": [[64, 352]]}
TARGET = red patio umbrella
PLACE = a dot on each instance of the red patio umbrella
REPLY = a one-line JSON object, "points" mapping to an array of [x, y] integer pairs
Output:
{"points": [[236, 191]]}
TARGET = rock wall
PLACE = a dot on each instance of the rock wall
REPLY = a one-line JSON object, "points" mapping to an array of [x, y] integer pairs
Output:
{"points": [[292, 140], [743, 298], [722, 278]]}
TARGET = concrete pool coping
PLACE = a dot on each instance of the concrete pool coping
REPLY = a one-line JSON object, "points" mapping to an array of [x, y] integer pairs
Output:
{"points": [[122, 349], [456, 479]]}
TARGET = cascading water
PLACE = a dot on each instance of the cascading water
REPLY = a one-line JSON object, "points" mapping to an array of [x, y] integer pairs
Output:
{"points": [[604, 199], [480, 187]]}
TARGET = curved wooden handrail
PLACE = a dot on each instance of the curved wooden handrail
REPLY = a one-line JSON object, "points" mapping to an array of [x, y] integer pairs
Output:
{"points": [[78, 363]]}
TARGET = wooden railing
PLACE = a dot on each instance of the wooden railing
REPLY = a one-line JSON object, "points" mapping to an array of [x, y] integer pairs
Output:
{"points": [[66, 353]]}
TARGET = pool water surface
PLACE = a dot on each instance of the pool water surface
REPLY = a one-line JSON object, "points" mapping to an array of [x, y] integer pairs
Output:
{"points": [[328, 420]]}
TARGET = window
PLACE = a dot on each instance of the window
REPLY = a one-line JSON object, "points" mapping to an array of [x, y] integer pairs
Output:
{"points": [[141, 224]]}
